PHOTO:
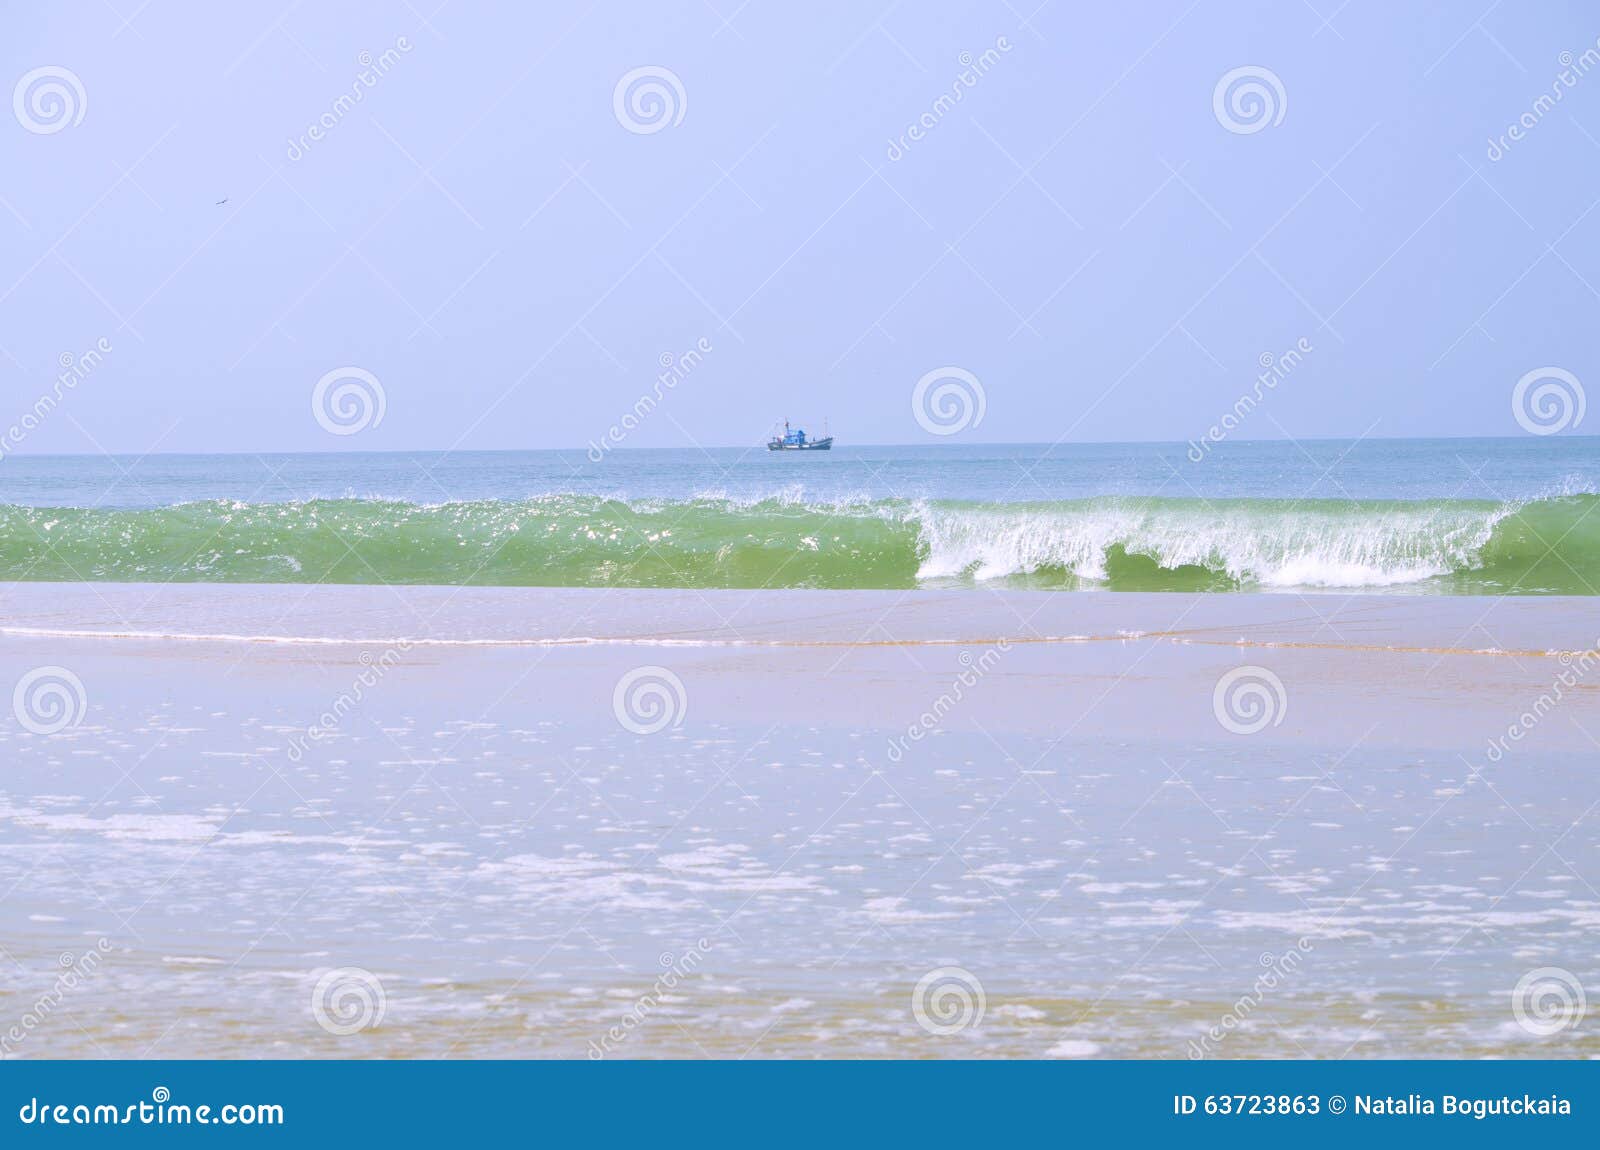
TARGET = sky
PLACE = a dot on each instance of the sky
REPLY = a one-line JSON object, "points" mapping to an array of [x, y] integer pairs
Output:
{"points": [[502, 244]]}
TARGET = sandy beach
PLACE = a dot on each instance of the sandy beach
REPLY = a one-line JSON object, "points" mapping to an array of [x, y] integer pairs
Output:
{"points": [[470, 822]]}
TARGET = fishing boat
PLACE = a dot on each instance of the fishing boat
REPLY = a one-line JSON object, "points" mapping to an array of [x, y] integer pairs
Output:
{"points": [[795, 440]]}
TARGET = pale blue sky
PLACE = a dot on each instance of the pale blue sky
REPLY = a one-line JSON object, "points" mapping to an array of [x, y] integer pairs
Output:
{"points": [[1080, 232]]}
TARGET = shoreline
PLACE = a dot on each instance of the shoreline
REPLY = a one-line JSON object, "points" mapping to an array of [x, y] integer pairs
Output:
{"points": [[1542, 625], [593, 641], [1097, 664]]}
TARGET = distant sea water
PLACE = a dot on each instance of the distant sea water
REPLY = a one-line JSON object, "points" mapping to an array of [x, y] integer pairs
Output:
{"points": [[1460, 516]]}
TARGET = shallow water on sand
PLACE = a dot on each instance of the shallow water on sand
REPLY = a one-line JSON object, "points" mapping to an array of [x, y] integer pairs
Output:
{"points": [[517, 874]]}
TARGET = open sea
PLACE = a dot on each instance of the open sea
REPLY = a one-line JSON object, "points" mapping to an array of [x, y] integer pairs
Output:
{"points": [[1459, 516]]}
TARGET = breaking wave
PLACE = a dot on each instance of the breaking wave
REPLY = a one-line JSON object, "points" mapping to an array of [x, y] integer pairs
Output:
{"points": [[1546, 546]]}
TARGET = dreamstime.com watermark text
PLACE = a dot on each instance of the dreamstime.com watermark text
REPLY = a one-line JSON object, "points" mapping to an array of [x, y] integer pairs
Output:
{"points": [[1276, 969], [74, 370], [1274, 370], [674, 370], [972, 670], [373, 669], [1576, 666], [159, 1110], [973, 69], [373, 69], [1573, 69], [75, 971], [675, 970]]}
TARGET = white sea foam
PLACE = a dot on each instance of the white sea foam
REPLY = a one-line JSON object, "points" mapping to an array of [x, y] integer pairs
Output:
{"points": [[1288, 546]]}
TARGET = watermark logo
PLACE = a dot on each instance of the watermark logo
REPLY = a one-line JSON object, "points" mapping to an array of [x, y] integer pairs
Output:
{"points": [[1547, 400], [1548, 1000], [1248, 99], [49, 699], [649, 699], [948, 1000], [948, 400], [48, 99], [348, 400], [348, 999], [648, 99], [1249, 699]]}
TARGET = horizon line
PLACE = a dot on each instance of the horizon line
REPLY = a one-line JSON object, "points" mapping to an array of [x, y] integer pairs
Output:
{"points": [[584, 448]]}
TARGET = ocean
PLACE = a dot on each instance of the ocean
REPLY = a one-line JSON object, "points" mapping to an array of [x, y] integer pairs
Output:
{"points": [[1439, 517]]}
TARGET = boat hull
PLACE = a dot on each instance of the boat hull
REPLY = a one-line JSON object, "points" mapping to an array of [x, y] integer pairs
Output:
{"points": [[816, 445]]}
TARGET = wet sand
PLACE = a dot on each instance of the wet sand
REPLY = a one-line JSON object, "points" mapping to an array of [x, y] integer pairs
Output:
{"points": [[518, 822]]}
